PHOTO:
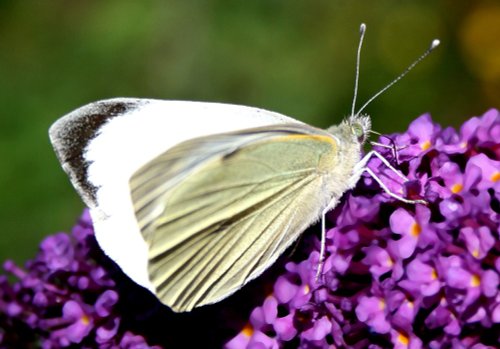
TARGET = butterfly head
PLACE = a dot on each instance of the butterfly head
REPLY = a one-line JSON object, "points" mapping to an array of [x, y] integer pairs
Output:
{"points": [[360, 126]]}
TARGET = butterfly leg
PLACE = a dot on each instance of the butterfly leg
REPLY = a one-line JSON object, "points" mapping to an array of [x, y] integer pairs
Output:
{"points": [[393, 147], [389, 192], [319, 271], [358, 170], [368, 156], [363, 168]]}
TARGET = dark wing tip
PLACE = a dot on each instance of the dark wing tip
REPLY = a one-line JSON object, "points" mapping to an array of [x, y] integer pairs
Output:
{"points": [[71, 134]]}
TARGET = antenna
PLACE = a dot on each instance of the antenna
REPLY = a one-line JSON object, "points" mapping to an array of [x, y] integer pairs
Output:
{"points": [[362, 29], [435, 43]]}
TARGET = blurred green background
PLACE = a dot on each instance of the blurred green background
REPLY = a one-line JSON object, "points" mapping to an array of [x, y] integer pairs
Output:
{"points": [[294, 57]]}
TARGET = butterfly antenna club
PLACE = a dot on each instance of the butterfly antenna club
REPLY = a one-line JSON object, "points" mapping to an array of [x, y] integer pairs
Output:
{"points": [[435, 43]]}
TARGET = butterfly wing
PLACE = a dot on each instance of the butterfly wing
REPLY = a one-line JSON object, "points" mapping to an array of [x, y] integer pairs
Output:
{"points": [[101, 145], [216, 211]]}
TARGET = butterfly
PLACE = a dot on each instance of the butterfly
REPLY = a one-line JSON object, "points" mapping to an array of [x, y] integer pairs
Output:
{"points": [[193, 199]]}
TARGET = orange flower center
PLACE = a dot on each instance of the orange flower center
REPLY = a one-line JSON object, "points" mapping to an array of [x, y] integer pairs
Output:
{"points": [[247, 330], [475, 281], [456, 188], [403, 339], [85, 320], [307, 289], [475, 252], [495, 177], [415, 229], [426, 145]]}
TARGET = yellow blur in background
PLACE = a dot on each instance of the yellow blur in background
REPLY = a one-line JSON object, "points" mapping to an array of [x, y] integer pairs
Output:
{"points": [[293, 57]]}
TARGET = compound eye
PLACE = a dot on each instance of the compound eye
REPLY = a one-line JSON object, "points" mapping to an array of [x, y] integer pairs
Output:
{"points": [[358, 131]]}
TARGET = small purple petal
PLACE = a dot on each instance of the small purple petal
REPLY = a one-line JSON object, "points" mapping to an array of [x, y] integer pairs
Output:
{"points": [[285, 290], [107, 331], [261, 341], [57, 251], [320, 329], [490, 283], [284, 327], [105, 302], [370, 310]]}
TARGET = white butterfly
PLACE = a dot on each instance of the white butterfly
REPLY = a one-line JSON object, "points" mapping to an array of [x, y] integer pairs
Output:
{"points": [[192, 200]]}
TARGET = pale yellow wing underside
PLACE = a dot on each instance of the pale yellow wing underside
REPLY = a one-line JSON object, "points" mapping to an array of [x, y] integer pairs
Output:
{"points": [[217, 211]]}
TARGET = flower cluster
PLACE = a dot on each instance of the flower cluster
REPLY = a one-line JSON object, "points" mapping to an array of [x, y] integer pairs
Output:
{"points": [[401, 275], [64, 298], [396, 275]]}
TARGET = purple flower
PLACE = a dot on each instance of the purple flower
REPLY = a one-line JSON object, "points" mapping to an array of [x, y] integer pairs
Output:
{"points": [[76, 324], [319, 330], [65, 297], [406, 226], [131, 341], [478, 240], [453, 179], [401, 340], [57, 252], [421, 136], [402, 308], [409, 276], [421, 279], [395, 275], [378, 260], [486, 169], [372, 311]]}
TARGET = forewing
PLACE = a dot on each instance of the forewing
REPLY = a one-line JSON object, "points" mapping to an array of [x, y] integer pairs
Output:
{"points": [[217, 211], [101, 145]]}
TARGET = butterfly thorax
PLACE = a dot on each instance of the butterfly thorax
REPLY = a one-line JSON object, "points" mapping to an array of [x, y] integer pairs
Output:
{"points": [[350, 135]]}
